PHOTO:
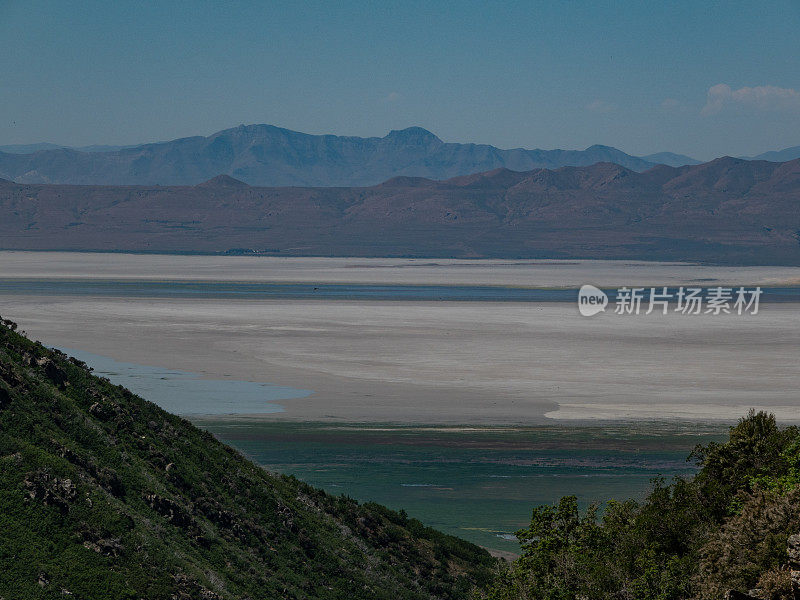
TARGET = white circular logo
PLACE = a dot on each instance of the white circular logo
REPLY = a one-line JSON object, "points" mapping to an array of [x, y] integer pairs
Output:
{"points": [[591, 300]]}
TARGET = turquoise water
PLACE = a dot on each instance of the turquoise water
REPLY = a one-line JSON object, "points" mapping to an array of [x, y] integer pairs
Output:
{"points": [[189, 394], [479, 484]]}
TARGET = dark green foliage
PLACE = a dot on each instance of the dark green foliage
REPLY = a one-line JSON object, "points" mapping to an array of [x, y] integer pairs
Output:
{"points": [[726, 528], [105, 496], [755, 450]]}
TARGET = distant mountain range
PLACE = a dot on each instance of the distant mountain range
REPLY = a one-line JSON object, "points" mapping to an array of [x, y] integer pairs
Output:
{"points": [[778, 155], [271, 156], [31, 148], [670, 159], [727, 211]]}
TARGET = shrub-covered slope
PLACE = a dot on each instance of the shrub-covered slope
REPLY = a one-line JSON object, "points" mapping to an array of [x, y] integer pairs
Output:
{"points": [[103, 495]]}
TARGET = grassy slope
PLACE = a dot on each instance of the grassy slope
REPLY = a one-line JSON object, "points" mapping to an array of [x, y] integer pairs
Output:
{"points": [[105, 495]]}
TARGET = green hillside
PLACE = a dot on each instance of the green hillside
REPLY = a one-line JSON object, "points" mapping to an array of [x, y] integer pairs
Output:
{"points": [[105, 495]]}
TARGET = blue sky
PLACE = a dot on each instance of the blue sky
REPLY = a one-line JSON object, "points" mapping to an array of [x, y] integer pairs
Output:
{"points": [[701, 78]]}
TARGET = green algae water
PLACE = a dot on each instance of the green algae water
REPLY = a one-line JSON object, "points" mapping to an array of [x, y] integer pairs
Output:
{"points": [[477, 483]]}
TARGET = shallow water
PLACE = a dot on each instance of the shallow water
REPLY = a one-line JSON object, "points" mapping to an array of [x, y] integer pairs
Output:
{"points": [[186, 394]]}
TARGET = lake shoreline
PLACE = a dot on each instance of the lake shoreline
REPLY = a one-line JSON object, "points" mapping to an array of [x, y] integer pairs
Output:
{"points": [[420, 361]]}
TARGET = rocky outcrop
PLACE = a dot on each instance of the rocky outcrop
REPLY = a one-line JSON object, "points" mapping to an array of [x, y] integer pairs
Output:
{"points": [[793, 552], [734, 595], [50, 489], [782, 583]]}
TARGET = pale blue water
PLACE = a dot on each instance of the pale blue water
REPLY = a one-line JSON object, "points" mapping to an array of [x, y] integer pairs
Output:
{"points": [[188, 394]]}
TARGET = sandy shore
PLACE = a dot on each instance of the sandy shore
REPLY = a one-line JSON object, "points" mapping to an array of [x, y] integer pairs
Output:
{"points": [[447, 362], [433, 362], [524, 273]]}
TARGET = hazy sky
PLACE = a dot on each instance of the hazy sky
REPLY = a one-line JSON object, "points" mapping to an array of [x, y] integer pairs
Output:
{"points": [[700, 78]]}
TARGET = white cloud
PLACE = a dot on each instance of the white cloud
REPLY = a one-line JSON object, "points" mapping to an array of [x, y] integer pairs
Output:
{"points": [[600, 106], [761, 98]]}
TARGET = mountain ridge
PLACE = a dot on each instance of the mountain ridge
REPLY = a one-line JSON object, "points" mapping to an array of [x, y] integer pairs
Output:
{"points": [[671, 159], [728, 211], [48, 169], [784, 155], [266, 155]]}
